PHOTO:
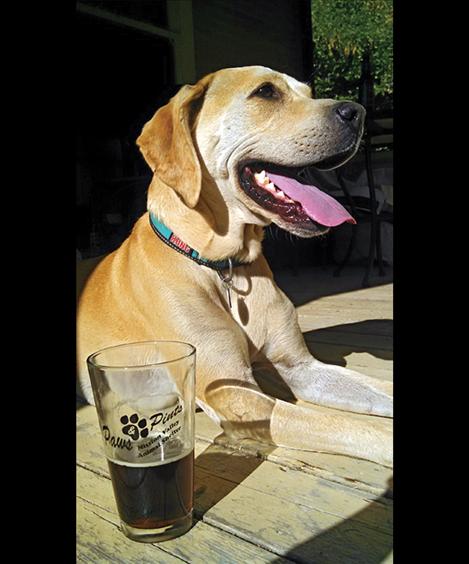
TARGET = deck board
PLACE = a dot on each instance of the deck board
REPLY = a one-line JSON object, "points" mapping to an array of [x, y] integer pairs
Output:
{"points": [[203, 543], [256, 503]]}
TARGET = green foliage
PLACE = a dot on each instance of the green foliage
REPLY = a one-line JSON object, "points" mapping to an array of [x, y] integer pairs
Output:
{"points": [[342, 31]]}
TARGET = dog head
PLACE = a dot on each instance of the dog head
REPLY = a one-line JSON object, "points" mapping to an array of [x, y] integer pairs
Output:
{"points": [[248, 132]]}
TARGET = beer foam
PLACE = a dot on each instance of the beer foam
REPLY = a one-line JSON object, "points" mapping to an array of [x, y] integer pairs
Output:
{"points": [[130, 464]]}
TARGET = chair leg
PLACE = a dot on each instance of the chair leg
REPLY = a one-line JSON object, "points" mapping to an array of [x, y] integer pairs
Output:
{"points": [[353, 236], [373, 205], [296, 259], [323, 248], [371, 254], [379, 250], [350, 248]]}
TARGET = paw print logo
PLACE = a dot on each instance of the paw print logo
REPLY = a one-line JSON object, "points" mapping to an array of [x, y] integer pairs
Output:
{"points": [[133, 427]]}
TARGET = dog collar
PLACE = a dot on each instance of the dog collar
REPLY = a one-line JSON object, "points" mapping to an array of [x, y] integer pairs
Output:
{"points": [[166, 235]]}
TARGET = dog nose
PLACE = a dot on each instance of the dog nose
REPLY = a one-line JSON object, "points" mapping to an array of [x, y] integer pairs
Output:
{"points": [[348, 112]]}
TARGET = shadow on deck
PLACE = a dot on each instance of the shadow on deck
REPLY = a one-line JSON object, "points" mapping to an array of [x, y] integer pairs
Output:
{"points": [[365, 549], [312, 283]]}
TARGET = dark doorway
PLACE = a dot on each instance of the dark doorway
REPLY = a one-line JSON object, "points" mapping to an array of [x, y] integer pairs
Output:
{"points": [[121, 76]]}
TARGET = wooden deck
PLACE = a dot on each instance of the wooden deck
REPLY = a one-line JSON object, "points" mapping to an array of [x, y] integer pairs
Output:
{"points": [[257, 504]]}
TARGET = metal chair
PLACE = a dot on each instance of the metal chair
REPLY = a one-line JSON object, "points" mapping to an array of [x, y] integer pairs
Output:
{"points": [[375, 136]]}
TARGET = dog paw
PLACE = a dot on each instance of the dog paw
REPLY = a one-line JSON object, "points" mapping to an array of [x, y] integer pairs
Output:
{"points": [[385, 387], [381, 450], [382, 405], [133, 427]]}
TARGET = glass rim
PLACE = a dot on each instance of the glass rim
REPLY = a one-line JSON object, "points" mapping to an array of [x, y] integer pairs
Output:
{"points": [[91, 358]]}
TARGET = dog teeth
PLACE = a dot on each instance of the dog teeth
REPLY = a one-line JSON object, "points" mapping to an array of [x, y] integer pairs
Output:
{"points": [[280, 195], [263, 181], [261, 178]]}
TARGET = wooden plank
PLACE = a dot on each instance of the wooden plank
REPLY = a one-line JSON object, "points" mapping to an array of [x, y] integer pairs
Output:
{"points": [[359, 321], [290, 514], [346, 356], [98, 533], [375, 371], [291, 486], [359, 341], [313, 284], [363, 323], [377, 293], [331, 354], [364, 299], [362, 475], [329, 323], [345, 309], [99, 540], [381, 300], [295, 530]]}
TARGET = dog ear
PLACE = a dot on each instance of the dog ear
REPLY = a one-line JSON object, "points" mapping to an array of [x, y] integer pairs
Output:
{"points": [[167, 145]]}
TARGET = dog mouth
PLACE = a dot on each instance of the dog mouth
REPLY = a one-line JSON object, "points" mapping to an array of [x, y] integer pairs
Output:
{"points": [[282, 191]]}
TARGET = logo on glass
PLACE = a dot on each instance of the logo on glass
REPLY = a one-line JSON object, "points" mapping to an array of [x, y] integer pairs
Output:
{"points": [[133, 427]]}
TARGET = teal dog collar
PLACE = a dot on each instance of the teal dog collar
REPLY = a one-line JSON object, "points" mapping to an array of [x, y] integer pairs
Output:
{"points": [[166, 235]]}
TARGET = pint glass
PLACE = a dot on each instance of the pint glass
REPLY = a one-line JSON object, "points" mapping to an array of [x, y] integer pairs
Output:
{"points": [[144, 395]]}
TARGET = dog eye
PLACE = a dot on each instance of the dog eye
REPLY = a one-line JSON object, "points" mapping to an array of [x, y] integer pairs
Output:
{"points": [[266, 91]]}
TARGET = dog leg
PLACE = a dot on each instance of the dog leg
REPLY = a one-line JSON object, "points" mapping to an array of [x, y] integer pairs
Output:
{"points": [[228, 392], [337, 387], [314, 381], [248, 413]]}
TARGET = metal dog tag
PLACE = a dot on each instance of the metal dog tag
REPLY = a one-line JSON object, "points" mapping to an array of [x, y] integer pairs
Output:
{"points": [[227, 281], [227, 286]]}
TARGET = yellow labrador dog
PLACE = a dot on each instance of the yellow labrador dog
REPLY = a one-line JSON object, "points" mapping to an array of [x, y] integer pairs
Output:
{"points": [[226, 155]]}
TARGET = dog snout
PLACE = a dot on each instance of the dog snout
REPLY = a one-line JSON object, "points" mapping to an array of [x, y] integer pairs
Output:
{"points": [[350, 113]]}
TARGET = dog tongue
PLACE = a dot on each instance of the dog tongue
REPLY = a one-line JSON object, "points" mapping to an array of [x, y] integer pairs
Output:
{"points": [[319, 206]]}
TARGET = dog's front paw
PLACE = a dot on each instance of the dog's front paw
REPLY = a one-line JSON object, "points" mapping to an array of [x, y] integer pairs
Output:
{"points": [[384, 445], [384, 386], [381, 404], [341, 388]]}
